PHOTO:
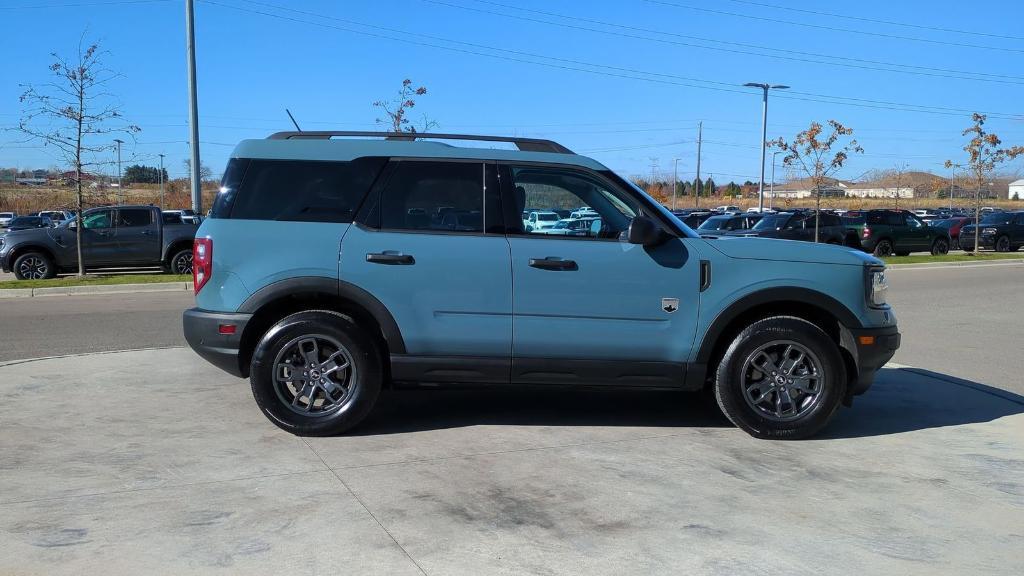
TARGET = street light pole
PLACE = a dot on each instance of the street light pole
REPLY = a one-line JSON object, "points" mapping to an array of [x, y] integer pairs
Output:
{"points": [[120, 189], [675, 180], [696, 189], [771, 185], [764, 134], [161, 176], [193, 108]]}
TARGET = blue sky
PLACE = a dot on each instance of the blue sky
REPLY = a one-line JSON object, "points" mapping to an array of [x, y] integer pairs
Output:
{"points": [[624, 81]]}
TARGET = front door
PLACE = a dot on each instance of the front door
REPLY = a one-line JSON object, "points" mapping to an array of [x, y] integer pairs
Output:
{"points": [[594, 309], [433, 251], [99, 238]]}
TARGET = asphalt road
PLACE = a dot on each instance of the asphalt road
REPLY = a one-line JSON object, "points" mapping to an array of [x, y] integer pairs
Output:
{"points": [[961, 321]]}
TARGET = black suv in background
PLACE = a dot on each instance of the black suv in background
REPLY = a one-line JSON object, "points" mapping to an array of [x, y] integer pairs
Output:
{"points": [[1001, 231], [899, 232], [799, 225], [724, 223]]}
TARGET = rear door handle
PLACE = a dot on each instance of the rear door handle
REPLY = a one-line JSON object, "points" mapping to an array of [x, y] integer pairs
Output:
{"points": [[553, 263], [390, 258], [147, 232]]}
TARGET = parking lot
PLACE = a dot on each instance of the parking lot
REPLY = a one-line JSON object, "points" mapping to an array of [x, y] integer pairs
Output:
{"points": [[152, 462]]}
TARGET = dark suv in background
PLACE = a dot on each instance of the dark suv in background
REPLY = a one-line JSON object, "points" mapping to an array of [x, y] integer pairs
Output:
{"points": [[899, 232], [1001, 231], [798, 225]]}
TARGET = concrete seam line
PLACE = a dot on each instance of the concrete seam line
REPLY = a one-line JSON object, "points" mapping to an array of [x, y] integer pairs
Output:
{"points": [[104, 289], [96, 353], [942, 265], [365, 507]]}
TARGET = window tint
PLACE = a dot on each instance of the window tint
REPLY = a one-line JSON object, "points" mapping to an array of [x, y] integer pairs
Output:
{"points": [[171, 218], [439, 196], [566, 189], [829, 220], [297, 190], [100, 219], [129, 217], [911, 221]]}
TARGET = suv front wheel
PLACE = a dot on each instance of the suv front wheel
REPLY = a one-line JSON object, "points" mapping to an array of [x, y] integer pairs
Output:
{"points": [[315, 374], [781, 378]]}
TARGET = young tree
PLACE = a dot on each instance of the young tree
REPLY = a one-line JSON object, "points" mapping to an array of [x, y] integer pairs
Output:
{"points": [[893, 181], [811, 152], [984, 155], [205, 174], [397, 109], [75, 115]]}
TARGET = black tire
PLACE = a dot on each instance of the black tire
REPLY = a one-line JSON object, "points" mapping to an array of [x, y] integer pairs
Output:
{"points": [[731, 378], [180, 262], [34, 266], [360, 395], [883, 248], [1002, 244], [940, 247]]}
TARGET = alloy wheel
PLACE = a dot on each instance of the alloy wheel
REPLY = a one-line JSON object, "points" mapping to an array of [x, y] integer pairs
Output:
{"points": [[314, 375], [33, 268], [183, 264], [782, 380]]}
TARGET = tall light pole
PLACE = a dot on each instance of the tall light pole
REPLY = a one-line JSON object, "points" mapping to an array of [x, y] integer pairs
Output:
{"points": [[675, 180], [771, 185], [120, 189], [764, 134], [160, 175], [696, 189], [193, 108]]}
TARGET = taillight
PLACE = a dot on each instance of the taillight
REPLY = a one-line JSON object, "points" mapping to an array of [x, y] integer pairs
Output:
{"points": [[867, 232], [202, 262]]}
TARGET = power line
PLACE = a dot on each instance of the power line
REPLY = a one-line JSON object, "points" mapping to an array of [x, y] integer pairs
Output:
{"points": [[876, 20], [806, 57], [833, 28], [603, 70], [81, 4]]}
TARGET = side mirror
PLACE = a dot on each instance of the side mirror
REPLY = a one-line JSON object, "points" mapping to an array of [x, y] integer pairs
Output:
{"points": [[643, 230]]}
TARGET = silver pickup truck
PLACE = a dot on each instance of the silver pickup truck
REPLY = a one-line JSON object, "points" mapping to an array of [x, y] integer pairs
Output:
{"points": [[112, 237]]}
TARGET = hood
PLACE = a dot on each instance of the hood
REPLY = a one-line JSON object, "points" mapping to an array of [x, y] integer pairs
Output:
{"points": [[755, 248], [29, 233]]}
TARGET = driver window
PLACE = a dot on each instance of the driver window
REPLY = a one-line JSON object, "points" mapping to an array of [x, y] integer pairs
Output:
{"points": [[99, 219], [913, 222], [567, 203]]}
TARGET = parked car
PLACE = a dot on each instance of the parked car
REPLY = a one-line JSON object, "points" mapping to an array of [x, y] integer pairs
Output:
{"points": [[718, 225], [727, 209], [6, 217], [328, 315], [540, 220], [900, 232], [56, 216], [584, 212], [952, 225], [1000, 231], [693, 218], [29, 223], [188, 216], [569, 227], [115, 236], [798, 225]]}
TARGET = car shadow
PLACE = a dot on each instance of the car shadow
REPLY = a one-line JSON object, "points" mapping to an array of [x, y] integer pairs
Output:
{"points": [[902, 400]]}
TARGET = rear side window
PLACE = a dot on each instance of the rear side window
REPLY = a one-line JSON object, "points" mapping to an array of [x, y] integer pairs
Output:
{"points": [[434, 196], [129, 217], [295, 190]]}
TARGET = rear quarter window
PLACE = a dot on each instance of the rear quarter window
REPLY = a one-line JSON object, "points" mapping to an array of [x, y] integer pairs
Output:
{"points": [[295, 190]]}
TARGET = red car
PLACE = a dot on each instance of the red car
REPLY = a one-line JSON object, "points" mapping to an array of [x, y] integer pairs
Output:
{"points": [[953, 226]]}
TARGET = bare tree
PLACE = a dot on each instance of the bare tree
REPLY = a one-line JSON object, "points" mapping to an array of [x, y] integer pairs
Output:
{"points": [[893, 181], [984, 155], [812, 154], [398, 108], [75, 115]]}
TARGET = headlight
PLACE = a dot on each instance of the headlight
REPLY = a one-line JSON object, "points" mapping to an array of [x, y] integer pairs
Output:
{"points": [[877, 287], [988, 231]]}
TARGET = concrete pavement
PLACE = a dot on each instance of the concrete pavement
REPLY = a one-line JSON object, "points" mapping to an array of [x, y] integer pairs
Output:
{"points": [[153, 463]]}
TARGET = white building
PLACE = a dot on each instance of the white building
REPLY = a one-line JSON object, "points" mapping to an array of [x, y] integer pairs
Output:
{"points": [[1017, 190]]}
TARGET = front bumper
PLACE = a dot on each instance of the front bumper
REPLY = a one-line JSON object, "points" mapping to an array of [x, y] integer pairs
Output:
{"points": [[875, 347], [966, 241], [202, 332]]}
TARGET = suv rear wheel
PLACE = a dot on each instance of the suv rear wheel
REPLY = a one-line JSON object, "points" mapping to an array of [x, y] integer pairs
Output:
{"points": [[315, 374], [940, 247], [782, 378], [1003, 244], [883, 248]]}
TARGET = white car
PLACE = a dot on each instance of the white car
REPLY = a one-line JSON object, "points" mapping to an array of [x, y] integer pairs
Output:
{"points": [[540, 220], [584, 212], [187, 216], [6, 217], [569, 227], [727, 209]]}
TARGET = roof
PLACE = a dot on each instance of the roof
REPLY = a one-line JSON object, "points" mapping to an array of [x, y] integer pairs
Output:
{"points": [[352, 148], [1017, 182]]}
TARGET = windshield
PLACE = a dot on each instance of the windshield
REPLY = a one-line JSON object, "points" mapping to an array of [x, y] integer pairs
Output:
{"points": [[997, 218], [772, 222], [715, 223], [942, 223]]}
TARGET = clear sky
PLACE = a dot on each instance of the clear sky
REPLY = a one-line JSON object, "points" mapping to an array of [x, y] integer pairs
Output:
{"points": [[624, 81]]}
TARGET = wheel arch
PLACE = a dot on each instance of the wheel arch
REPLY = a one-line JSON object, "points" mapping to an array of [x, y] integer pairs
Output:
{"points": [[818, 308], [18, 251], [280, 299], [175, 247]]}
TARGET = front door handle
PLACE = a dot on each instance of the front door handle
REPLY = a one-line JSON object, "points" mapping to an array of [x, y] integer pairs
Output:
{"points": [[390, 258], [553, 263], [148, 232]]}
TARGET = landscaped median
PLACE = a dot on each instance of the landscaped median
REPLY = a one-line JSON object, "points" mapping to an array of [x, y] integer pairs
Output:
{"points": [[962, 258], [96, 284]]}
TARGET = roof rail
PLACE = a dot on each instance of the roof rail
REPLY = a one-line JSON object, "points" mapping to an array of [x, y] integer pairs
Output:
{"points": [[523, 144]]}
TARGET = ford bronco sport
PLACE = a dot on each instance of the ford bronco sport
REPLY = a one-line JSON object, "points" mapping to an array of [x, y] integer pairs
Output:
{"points": [[337, 263]]}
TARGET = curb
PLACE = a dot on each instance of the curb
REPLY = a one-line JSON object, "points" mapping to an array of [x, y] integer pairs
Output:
{"points": [[960, 264], [97, 289]]}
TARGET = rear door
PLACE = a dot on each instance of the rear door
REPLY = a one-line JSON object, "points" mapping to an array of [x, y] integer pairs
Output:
{"points": [[917, 234], [431, 247], [138, 236]]}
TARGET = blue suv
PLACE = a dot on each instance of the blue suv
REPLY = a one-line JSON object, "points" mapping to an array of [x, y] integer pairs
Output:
{"points": [[334, 264]]}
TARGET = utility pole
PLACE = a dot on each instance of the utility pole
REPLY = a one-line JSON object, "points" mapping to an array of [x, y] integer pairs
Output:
{"points": [[764, 134], [161, 176], [771, 186], [675, 180], [952, 175], [120, 188], [696, 191], [193, 108]]}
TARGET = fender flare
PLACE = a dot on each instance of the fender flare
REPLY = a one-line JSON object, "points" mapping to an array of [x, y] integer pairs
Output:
{"points": [[766, 296], [333, 287]]}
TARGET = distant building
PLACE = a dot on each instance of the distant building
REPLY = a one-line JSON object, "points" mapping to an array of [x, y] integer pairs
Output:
{"points": [[1017, 190]]}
